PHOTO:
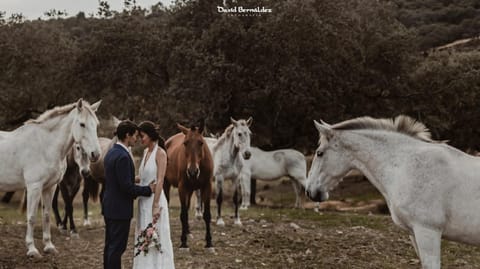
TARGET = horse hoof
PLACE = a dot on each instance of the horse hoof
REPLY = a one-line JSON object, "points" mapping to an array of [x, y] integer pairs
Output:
{"points": [[50, 250], [198, 216], [244, 207], [34, 254], [87, 222], [237, 222], [74, 235], [220, 222], [210, 249], [184, 249]]}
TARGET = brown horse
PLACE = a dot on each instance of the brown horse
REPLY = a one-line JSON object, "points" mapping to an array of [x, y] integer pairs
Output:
{"points": [[189, 168]]}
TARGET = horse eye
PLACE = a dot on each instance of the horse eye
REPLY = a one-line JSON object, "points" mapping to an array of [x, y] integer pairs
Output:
{"points": [[240, 134], [319, 153], [82, 125], [78, 148]]}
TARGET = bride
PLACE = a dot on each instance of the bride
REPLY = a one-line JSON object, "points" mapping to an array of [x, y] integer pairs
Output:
{"points": [[155, 207]]}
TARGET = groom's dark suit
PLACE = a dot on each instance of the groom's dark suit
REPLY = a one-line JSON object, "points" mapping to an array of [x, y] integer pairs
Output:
{"points": [[117, 204]]}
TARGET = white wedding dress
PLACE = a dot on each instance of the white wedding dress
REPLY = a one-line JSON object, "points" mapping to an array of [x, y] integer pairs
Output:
{"points": [[154, 259]]}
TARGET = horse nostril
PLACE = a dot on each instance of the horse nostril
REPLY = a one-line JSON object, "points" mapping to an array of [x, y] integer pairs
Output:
{"points": [[85, 173], [95, 156]]}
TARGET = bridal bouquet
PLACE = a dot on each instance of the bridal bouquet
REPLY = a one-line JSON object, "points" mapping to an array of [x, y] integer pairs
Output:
{"points": [[148, 238]]}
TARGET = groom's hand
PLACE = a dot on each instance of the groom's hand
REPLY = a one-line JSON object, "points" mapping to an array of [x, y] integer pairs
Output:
{"points": [[152, 186]]}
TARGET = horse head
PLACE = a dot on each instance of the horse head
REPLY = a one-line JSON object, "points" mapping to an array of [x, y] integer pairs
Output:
{"points": [[194, 145], [241, 136], [329, 165], [84, 128], [81, 159]]}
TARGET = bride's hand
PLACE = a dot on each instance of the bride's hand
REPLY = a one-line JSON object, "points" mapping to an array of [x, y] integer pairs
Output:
{"points": [[137, 179], [156, 213]]}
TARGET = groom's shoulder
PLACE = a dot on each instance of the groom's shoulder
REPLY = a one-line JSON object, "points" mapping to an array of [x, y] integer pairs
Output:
{"points": [[115, 152]]}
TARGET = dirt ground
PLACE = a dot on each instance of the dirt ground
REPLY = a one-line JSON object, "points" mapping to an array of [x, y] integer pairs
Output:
{"points": [[273, 235]]}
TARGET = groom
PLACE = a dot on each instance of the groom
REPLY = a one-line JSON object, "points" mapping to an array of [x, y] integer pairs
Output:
{"points": [[120, 191]]}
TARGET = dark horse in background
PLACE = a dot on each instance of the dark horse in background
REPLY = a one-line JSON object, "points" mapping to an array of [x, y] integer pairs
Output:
{"points": [[190, 168], [78, 167]]}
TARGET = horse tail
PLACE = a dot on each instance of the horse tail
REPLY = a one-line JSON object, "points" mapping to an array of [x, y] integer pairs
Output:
{"points": [[92, 187]]}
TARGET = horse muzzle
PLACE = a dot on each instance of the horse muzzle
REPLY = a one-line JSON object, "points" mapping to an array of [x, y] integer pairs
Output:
{"points": [[317, 196], [193, 173], [247, 155], [94, 156], [85, 173]]}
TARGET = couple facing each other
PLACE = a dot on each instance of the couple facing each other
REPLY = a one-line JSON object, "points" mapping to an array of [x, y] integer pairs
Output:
{"points": [[120, 190]]}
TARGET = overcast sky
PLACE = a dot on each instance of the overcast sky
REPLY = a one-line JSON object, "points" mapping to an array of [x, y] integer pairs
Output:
{"points": [[32, 9]]}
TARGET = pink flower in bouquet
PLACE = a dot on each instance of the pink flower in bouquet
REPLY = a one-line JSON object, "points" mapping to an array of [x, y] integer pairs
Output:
{"points": [[149, 232]]}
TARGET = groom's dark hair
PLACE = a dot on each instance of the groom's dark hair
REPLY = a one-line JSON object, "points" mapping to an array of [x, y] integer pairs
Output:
{"points": [[125, 127]]}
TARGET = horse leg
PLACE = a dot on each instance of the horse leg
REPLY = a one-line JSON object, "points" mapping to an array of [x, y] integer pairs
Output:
{"points": [[207, 217], [428, 244], [33, 198], [102, 192], [414, 244], [8, 197], [55, 207], [253, 191], [297, 188], [73, 229], [47, 195], [65, 196], [85, 196], [198, 206], [245, 188], [183, 217], [166, 190], [236, 202], [219, 192]]}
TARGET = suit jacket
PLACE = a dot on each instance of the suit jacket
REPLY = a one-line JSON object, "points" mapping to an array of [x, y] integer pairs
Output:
{"points": [[120, 189]]}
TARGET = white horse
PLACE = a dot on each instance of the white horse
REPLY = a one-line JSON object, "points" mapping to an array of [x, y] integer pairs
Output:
{"points": [[272, 165], [229, 154], [34, 157], [432, 189]]}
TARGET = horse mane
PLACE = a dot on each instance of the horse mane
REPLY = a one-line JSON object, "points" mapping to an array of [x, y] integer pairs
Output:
{"points": [[400, 124], [221, 140], [57, 111]]}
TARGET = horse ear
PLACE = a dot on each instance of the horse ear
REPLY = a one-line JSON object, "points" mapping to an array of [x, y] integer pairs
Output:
{"points": [[323, 128], [249, 121], [182, 128], [80, 104], [95, 106], [229, 130], [115, 121], [233, 121]]}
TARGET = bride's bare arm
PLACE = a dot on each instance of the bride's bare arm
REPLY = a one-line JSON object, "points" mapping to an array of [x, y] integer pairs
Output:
{"points": [[161, 160]]}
